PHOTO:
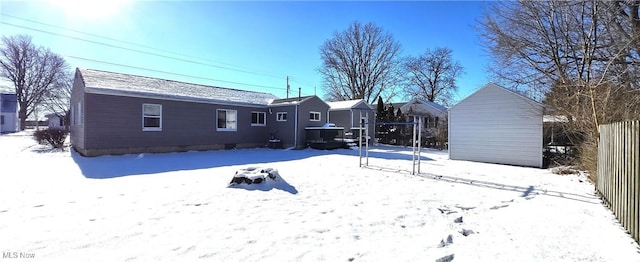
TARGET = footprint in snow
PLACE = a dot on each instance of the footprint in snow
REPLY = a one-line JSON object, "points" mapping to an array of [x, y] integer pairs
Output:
{"points": [[446, 242], [467, 232], [446, 210], [465, 208], [448, 258], [498, 207]]}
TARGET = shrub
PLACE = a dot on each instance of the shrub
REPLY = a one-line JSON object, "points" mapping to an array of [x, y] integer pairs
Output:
{"points": [[53, 137]]}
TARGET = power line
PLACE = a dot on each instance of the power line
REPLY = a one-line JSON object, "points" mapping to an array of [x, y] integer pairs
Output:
{"points": [[131, 43], [138, 51], [176, 74], [263, 73], [293, 79], [128, 49]]}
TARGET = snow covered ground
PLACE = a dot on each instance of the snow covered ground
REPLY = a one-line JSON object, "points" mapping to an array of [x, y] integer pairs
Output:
{"points": [[59, 206]]}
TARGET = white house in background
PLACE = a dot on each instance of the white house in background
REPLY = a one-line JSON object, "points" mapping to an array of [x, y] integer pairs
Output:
{"points": [[55, 121], [497, 125], [9, 113]]}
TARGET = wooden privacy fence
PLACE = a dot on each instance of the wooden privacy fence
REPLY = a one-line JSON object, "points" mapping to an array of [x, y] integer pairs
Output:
{"points": [[618, 177]]}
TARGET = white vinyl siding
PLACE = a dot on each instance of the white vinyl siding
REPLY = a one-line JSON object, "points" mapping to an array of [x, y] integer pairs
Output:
{"points": [[497, 126], [258, 119], [314, 116], [281, 116], [151, 117], [227, 120]]}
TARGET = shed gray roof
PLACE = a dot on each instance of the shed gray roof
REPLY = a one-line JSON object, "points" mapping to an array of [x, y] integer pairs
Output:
{"points": [[103, 82]]}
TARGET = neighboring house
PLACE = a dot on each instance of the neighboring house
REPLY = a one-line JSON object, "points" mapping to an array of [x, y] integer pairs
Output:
{"points": [[289, 117], [497, 125], [433, 115], [114, 113], [55, 121], [9, 121], [350, 114]]}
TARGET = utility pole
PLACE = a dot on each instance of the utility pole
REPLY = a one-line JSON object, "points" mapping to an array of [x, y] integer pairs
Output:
{"points": [[288, 87]]}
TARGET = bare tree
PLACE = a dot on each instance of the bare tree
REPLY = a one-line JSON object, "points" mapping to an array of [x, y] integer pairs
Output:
{"points": [[32, 70], [359, 63], [58, 98], [432, 75], [582, 55]]}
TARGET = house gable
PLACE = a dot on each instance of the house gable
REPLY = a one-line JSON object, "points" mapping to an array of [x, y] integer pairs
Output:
{"points": [[499, 89]]}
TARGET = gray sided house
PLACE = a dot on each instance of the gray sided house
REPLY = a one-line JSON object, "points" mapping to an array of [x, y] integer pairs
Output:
{"points": [[9, 121], [349, 114], [113, 113], [497, 125], [289, 117]]}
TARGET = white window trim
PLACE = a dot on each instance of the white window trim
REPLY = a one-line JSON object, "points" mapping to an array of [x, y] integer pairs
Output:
{"points": [[78, 116], [226, 129], [264, 114], [160, 117], [278, 114], [316, 113]]}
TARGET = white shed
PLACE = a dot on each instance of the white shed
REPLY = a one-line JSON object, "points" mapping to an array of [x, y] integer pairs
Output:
{"points": [[55, 121], [496, 125]]}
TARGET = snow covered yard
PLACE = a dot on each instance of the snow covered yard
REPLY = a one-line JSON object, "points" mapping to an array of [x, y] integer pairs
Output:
{"points": [[60, 206]]}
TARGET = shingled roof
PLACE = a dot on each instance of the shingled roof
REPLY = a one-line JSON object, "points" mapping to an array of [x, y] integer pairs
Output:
{"points": [[110, 83]]}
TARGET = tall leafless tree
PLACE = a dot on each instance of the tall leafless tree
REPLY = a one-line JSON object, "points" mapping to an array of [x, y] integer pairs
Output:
{"points": [[432, 75], [32, 70], [582, 55], [58, 99], [359, 63]]}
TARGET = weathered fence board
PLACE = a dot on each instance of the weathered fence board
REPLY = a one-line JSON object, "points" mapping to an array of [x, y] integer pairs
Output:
{"points": [[618, 177]]}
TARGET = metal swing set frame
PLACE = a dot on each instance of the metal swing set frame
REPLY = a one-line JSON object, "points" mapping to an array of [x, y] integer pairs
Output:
{"points": [[416, 141]]}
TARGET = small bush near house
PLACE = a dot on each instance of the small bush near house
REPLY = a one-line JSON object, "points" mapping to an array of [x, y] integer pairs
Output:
{"points": [[54, 137]]}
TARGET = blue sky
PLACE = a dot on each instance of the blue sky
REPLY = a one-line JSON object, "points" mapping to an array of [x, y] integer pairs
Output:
{"points": [[243, 45]]}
